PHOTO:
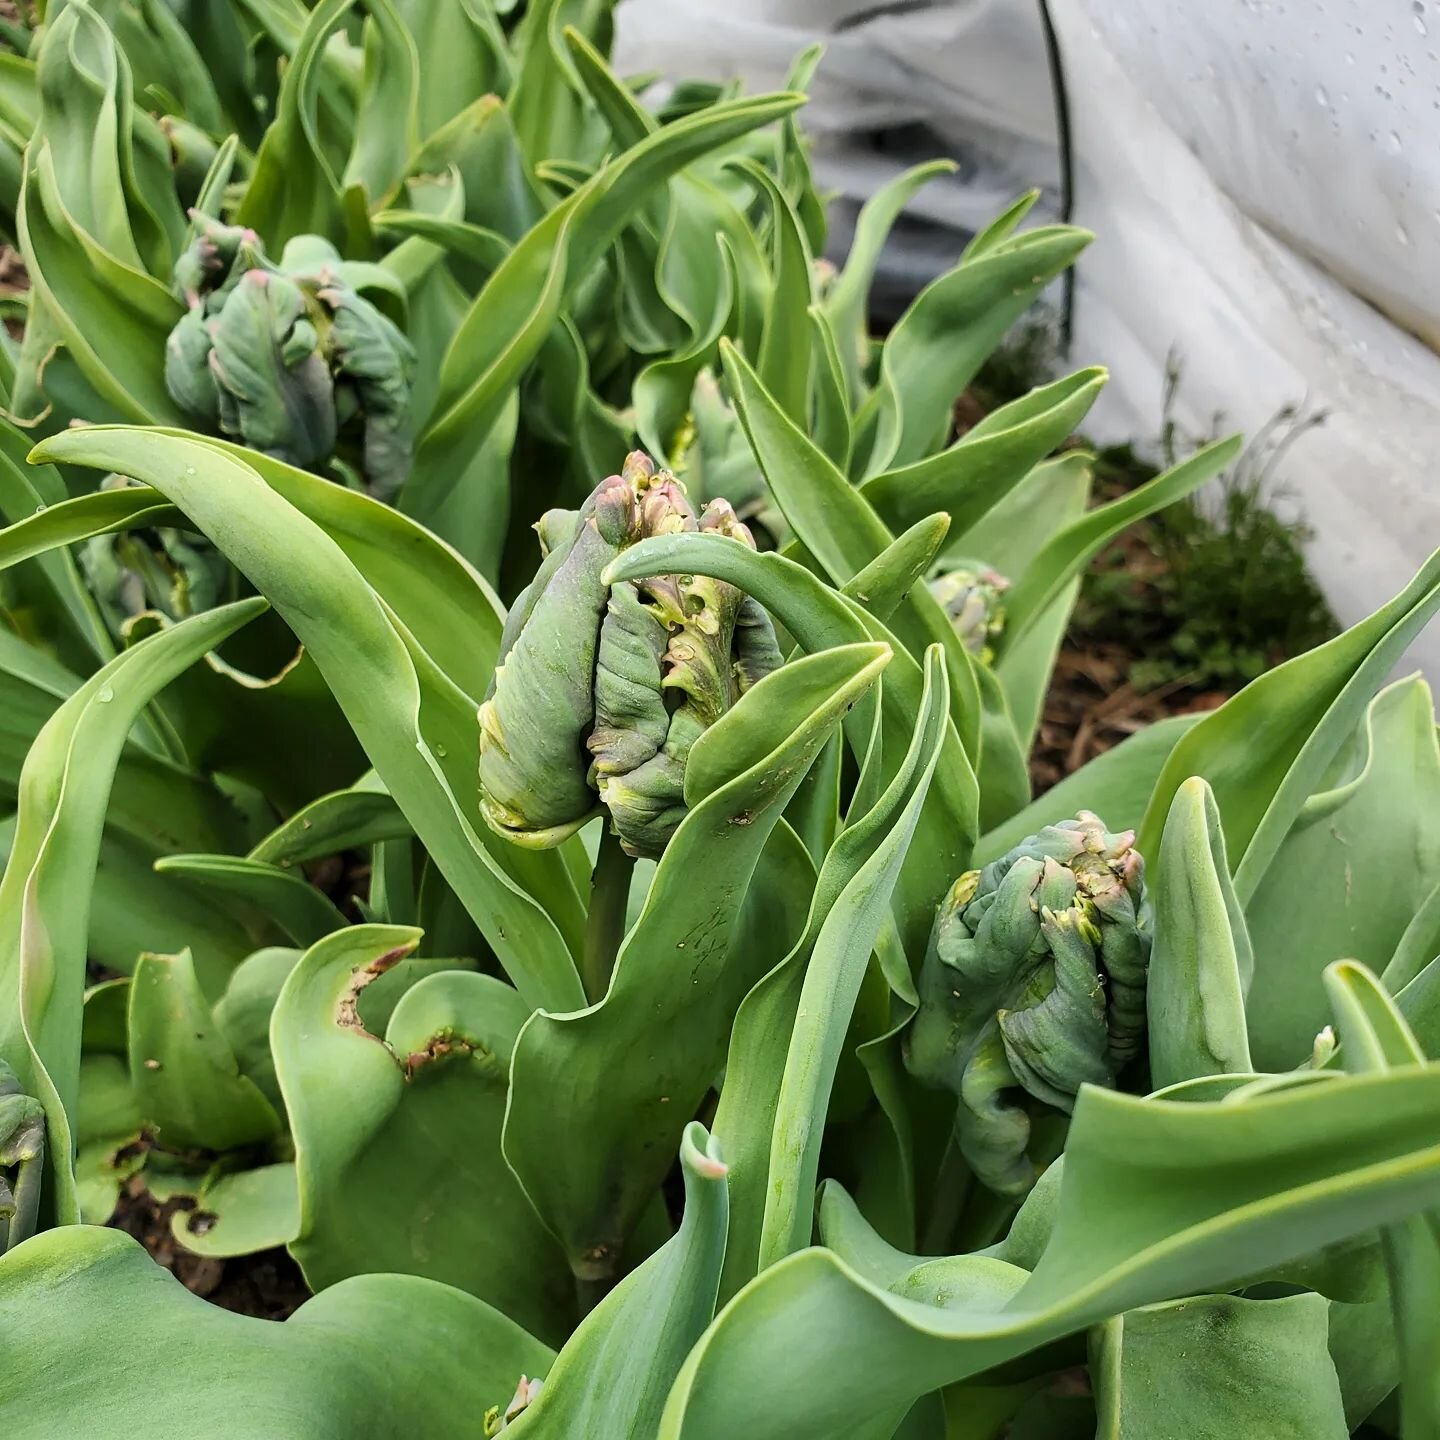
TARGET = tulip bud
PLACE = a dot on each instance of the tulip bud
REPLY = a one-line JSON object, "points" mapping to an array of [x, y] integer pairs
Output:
{"points": [[603, 689], [1033, 984], [283, 358], [973, 596]]}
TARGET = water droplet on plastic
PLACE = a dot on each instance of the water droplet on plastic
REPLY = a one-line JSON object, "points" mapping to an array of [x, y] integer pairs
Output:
{"points": [[105, 695], [1322, 96], [1349, 57], [1402, 234], [1395, 144], [1420, 27]]}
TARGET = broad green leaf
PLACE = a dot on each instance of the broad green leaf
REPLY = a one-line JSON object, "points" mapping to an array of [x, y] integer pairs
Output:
{"points": [[938, 345], [622, 1114], [834, 974], [836, 525], [416, 724], [297, 909], [110, 317], [294, 189], [1200, 960], [412, 1121], [102, 513], [831, 403], [387, 122], [64, 615], [989, 460], [184, 1075], [343, 820], [1156, 1199], [1220, 1367], [239, 1212], [1009, 537], [783, 364], [1376, 1039], [847, 304], [613, 1375], [1267, 749], [1358, 864], [462, 54], [379, 1355], [44, 894], [132, 910], [512, 315]]}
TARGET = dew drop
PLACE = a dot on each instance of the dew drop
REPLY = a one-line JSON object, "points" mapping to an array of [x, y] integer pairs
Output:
{"points": [[105, 695], [441, 751], [189, 469], [1322, 96], [1395, 144]]}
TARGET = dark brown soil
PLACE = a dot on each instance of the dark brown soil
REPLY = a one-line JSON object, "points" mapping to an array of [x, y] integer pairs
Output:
{"points": [[268, 1284]]}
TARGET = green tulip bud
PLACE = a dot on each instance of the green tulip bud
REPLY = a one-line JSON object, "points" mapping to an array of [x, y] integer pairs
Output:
{"points": [[602, 690], [973, 596], [284, 358], [1033, 984], [22, 1153]]}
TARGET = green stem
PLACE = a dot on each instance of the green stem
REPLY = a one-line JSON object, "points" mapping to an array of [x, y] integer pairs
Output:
{"points": [[952, 1189], [605, 924]]}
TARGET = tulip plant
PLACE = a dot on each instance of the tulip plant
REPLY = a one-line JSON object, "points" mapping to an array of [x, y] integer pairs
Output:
{"points": [[713, 1036]]}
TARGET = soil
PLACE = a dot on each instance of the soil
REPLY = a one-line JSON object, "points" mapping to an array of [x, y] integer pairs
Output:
{"points": [[267, 1284]]}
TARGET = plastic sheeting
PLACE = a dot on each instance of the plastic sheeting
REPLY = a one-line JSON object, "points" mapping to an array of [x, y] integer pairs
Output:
{"points": [[1263, 177]]}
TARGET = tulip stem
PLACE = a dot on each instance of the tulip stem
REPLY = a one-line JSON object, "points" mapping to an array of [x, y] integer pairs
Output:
{"points": [[605, 924]]}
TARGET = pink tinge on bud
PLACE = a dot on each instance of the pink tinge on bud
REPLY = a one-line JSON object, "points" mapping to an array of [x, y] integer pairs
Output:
{"points": [[664, 510], [719, 518], [638, 467], [614, 510], [257, 278]]}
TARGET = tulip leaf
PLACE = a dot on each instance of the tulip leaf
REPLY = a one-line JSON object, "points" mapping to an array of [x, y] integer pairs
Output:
{"points": [[1266, 749], [614, 1374], [342, 820], [833, 521], [1200, 958], [1116, 784], [875, 846], [1358, 864], [847, 304], [240, 1212], [989, 460], [347, 1363], [1376, 1040], [1230, 1366], [940, 342], [411, 1120], [294, 189], [185, 1077], [297, 909], [1157, 1199], [387, 123], [621, 1120], [416, 725], [45, 891], [510, 318]]}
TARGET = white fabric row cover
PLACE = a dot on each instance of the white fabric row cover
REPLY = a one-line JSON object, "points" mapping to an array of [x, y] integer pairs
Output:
{"points": [[1263, 177]]}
